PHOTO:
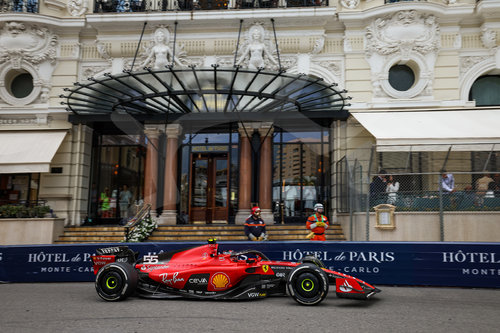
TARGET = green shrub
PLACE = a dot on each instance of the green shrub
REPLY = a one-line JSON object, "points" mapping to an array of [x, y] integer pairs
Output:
{"points": [[15, 211]]}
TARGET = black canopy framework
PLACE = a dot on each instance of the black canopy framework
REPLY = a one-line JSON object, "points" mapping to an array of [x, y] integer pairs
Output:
{"points": [[216, 92]]}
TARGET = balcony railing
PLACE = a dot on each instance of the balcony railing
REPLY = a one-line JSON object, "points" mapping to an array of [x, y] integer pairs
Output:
{"points": [[393, 1], [121, 6], [22, 6]]}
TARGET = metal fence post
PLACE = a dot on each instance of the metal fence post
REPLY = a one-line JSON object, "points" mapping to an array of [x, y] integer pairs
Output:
{"points": [[368, 195]]}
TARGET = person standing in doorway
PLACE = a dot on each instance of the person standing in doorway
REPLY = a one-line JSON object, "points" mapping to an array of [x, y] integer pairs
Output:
{"points": [[125, 200], [317, 224]]}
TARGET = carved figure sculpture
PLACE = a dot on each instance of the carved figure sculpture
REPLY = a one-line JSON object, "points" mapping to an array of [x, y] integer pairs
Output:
{"points": [[77, 7], [256, 50], [160, 51], [350, 4]]}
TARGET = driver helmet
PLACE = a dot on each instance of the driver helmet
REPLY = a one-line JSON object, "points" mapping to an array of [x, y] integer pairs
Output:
{"points": [[318, 206], [255, 211]]}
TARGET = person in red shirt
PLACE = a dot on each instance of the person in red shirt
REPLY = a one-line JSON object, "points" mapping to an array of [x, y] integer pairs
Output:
{"points": [[317, 223]]}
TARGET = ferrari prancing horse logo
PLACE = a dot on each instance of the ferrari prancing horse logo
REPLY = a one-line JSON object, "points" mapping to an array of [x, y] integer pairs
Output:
{"points": [[265, 268]]}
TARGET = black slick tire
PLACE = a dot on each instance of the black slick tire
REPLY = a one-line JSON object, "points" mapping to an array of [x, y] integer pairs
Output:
{"points": [[307, 284], [116, 281]]}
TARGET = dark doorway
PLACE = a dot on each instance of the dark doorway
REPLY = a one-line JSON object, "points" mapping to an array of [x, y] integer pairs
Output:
{"points": [[209, 188]]}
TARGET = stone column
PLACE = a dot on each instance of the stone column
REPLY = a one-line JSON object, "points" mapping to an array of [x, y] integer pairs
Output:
{"points": [[245, 184], [266, 172], [151, 167], [169, 214]]}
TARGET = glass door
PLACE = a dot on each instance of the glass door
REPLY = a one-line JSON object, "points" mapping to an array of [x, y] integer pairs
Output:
{"points": [[209, 188]]}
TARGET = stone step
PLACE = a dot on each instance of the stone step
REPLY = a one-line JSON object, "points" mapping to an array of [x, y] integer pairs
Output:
{"points": [[91, 238], [237, 232], [94, 233], [97, 228], [176, 233], [235, 238]]}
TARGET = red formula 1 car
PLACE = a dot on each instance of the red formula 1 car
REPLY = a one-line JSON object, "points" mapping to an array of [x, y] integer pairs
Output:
{"points": [[203, 272]]}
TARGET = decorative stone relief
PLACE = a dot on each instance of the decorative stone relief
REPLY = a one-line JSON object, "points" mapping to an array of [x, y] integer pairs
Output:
{"points": [[489, 38], [225, 62], [102, 49], [77, 7], [466, 63], [408, 38], [350, 4], [257, 49], [159, 52], [29, 50], [93, 71], [288, 62], [22, 42], [319, 44], [334, 67]]}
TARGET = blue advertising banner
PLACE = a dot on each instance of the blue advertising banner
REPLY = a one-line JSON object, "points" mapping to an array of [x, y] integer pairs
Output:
{"points": [[432, 264]]}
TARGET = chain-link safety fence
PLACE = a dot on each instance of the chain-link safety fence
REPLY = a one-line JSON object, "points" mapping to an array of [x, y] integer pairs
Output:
{"points": [[451, 179]]}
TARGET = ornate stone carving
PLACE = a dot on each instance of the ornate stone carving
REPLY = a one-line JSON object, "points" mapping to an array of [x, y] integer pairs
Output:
{"points": [[257, 49], [21, 42], [77, 7], [225, 61], [407, 37], [319, 44], [350, 4], [407, 31], [289, 62], [159, 52], [102, 50], [467, 63], [489, 38], [333, 67], [94, 71], [26, 49]]}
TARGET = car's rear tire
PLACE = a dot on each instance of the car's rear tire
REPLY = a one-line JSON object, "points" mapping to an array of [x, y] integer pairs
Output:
{"points": [[307, 284], [116, 281]]}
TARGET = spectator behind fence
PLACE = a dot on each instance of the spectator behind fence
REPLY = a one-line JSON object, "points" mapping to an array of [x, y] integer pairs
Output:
{"points": [[377, 187], [491, 190], [496, 182], [482, 185], [391, 189], [447, 182]]}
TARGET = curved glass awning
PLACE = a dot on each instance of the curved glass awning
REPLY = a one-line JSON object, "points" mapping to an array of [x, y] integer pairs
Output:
{"points": [[180, 91]]}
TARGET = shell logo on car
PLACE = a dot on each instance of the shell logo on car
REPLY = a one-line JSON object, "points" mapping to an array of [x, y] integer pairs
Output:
{"points": [[220, 280]]}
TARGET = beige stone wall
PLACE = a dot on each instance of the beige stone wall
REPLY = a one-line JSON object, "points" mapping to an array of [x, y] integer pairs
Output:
{"points": [[30, 231], [425, 227]]}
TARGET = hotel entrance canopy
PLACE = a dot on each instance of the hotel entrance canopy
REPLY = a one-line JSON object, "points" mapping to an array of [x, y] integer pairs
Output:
{"points": [[233, 94], [464, 130]]}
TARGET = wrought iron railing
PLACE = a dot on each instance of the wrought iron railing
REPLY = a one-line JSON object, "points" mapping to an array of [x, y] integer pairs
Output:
{"points": [[393, 1], [122, 6], [23, 6]]}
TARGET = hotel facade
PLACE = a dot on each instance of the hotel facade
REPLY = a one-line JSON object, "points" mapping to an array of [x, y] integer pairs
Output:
{"points": [[205, 108]]}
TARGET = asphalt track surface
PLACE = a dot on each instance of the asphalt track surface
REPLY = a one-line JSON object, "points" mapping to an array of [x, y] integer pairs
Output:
{"points": [[75, 307]]}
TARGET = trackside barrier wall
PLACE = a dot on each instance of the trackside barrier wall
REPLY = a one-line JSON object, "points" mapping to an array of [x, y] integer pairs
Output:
{"points": [[432, 264]]}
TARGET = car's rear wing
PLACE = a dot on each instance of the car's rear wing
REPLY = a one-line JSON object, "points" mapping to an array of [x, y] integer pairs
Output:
{"points": [[113, 254]]}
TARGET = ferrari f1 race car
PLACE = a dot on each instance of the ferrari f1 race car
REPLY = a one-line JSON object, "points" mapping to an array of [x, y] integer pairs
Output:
{"points": [[204, 272]]}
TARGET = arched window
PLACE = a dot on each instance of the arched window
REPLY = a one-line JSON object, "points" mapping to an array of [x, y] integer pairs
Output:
{"points": [[485, 90]]}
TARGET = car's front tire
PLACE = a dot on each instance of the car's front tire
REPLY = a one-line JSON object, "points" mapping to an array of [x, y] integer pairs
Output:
{"points": [[116, 281], [307, 284]]}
